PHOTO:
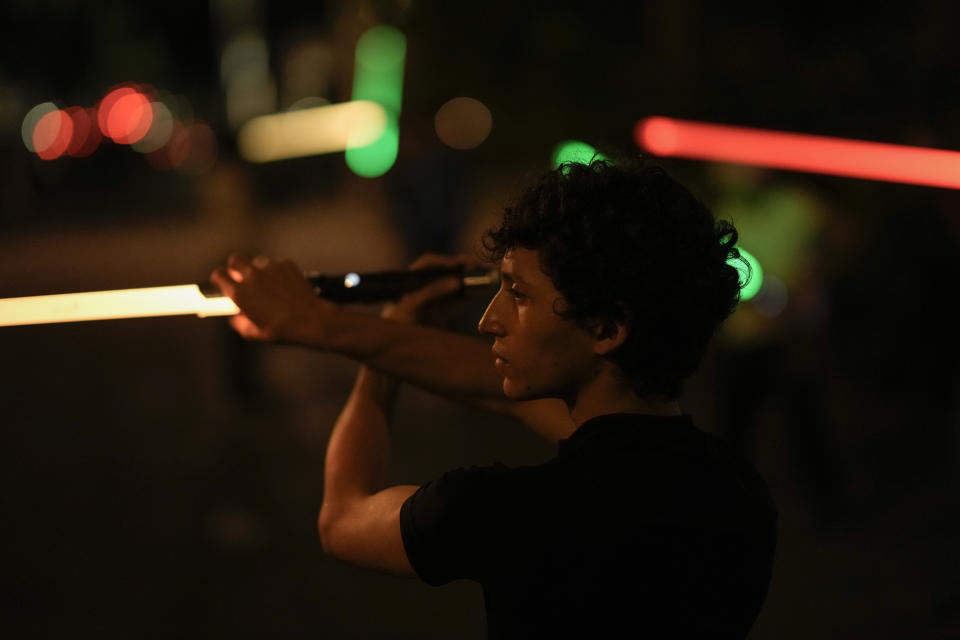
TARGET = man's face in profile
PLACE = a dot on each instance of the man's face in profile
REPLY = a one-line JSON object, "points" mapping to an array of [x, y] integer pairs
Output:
{"points": [[538, 353]]}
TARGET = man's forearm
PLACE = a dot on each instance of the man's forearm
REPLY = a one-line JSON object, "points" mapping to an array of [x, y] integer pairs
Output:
{"points": [[442, 362], [448, 364]]}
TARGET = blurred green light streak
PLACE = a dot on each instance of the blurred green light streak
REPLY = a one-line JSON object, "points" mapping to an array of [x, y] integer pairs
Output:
{"points": [[376, 159], [378, 76]]}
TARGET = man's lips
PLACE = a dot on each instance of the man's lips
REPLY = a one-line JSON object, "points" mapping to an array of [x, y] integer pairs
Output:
{"points": [[500, 361]]}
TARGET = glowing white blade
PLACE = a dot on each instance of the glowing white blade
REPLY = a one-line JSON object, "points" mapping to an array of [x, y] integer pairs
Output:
{"points": [[121, 303]]}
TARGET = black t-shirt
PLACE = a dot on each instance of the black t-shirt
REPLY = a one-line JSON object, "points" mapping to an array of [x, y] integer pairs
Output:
{"points": [[640, 524]]}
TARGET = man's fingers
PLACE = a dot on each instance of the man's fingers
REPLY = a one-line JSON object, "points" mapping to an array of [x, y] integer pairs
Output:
{"points": [[290, 266], [245, 327], [222, 279], [240, 264]]}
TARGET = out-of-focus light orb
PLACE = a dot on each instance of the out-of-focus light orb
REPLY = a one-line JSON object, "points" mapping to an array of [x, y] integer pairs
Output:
{"points": [[180, 108], [191, 149], [129, 118], [161, 128], [86, 135], [574, 151], [202, 149], [174, 152], [52, 135], [30, 122], [463, 123], [351, 280], [106, 106], [750, 280]]}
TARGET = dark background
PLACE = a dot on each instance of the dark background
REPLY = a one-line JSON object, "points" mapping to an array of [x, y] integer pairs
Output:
{"points": [[163, 478]]}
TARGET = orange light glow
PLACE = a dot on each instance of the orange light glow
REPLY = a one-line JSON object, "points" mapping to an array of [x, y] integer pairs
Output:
{"points": [[105, 305], [52, 135], [799, 152]]}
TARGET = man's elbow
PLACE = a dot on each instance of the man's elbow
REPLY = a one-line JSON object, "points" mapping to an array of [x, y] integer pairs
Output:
{"points": [[325, 527]]}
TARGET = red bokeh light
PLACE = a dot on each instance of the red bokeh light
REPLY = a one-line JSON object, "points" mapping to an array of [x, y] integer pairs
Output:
{"points": [[106, 105], [129, 118], [203, 149], [52, 135], [175, 152], [125, 114], [191, 149], [86, 135]]}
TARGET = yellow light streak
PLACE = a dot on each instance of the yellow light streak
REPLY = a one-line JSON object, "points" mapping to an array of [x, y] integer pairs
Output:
{"points": [[307, 132], [121, 303]]}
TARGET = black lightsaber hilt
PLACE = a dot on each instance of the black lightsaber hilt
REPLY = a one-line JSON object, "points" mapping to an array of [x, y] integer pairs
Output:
{"points": [[383, 286]]}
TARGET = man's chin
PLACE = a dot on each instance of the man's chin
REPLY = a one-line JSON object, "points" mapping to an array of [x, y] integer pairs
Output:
{"points": [[519, 393], [511, 391]]}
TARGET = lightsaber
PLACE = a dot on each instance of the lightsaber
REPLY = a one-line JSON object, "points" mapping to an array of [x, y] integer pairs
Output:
{"points": [[799, 152], [206, 300]]}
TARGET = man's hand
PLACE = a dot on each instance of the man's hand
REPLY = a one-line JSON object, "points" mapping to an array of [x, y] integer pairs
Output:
{"points": [[416, 305], [276, 301]]}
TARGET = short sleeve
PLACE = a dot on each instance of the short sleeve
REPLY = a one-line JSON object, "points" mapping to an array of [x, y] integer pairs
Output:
{"points": [[455, 526]]}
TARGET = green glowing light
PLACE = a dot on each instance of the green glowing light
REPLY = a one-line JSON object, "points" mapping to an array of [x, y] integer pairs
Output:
{"points": [[378, 72], [378, 76], [382, 48], [376, 159], [750, 281], [575, 151]]}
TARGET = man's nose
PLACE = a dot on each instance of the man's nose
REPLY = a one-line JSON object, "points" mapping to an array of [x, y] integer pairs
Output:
{"points": [[489, 324]]}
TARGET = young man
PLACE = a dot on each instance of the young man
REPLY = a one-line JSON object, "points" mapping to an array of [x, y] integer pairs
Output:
{"points": [[613, 282]]}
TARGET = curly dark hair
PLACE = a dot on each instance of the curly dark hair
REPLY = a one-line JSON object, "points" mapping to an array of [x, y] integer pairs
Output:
{"points": [[630, 245]]}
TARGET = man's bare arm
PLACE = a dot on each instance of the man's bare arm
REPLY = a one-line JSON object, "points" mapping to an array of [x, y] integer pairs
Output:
{"points": [[448, 364], [279, 305]]}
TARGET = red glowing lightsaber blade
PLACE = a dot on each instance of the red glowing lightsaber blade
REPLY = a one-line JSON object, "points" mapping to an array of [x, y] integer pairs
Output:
{"points": [[799, 152]]}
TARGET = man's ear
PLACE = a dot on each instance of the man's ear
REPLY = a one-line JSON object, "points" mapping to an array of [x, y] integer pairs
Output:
{"points": [[608, 336]]}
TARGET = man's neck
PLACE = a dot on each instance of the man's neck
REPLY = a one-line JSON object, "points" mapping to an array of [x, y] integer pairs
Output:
{"points": [[609, 394]]}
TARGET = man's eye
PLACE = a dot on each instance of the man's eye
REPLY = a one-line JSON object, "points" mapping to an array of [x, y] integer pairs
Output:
{"points": [[516, 294]]}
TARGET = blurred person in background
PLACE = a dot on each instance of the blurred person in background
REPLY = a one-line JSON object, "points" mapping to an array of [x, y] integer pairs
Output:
{"points": [[613, 281]]}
